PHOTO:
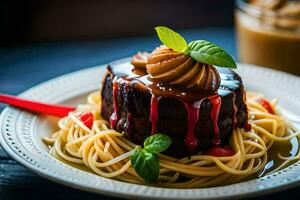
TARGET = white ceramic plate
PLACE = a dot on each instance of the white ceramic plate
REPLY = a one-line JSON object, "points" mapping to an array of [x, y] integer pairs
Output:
{"points": [[21, 134]]}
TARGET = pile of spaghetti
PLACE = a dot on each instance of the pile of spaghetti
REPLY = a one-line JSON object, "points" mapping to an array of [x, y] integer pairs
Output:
{"points": [[107, 152]]}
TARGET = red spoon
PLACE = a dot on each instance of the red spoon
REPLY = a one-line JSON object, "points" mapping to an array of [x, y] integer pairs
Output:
{"points": [[39, 107]]}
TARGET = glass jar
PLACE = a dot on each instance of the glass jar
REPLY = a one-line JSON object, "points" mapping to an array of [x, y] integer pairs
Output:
{"points": [[268, 37]]}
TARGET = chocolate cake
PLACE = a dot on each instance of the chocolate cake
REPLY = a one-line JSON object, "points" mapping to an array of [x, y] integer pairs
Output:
{"points": [[194, 119]]}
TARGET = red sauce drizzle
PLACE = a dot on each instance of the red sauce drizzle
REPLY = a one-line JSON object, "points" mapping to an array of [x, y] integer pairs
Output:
{"points": [[190, 140], [114, 118], [234, 108], [214, 115], [154, 113]]}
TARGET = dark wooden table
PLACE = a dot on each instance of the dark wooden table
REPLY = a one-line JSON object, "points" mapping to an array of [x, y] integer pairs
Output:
{"points": [[24, 66]]}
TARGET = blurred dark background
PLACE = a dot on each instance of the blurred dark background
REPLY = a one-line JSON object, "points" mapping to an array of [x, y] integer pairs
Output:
{"points": [[52, 20]]}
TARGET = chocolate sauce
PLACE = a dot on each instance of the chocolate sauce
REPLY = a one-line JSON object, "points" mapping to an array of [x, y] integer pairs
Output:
{"points": [[193, 110], [123, 69], [154, 113], [128, 125], [114, 118], [191, 98], [234, 108], [247, 125], [214, 115]]}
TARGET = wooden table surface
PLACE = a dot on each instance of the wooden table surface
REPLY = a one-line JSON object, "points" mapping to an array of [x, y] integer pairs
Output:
{"points": [[22, 67]]}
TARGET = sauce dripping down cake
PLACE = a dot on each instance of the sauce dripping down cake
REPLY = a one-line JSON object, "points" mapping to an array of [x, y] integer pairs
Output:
{"points": [[196, 118]]}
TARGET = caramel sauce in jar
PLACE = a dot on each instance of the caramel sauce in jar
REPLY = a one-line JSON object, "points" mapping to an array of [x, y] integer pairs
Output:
{"points": [[269, 35]]}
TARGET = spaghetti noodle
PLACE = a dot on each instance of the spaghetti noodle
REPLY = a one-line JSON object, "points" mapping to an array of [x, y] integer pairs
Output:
{"points": [[107, 152]]}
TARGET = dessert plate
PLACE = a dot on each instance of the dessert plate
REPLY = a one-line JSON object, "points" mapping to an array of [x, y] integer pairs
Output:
{"points": [[21, 134]]}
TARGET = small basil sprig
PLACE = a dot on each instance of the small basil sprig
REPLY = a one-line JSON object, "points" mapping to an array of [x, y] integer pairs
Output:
{"points": [[200, 50], [209, 53], [146, 164], [171, 39], [157, 143], [145, 160]]}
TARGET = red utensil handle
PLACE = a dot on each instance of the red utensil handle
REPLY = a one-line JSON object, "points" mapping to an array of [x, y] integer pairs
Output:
{"points": [[43, 108]]}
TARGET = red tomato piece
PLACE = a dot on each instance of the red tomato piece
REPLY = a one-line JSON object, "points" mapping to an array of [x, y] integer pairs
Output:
{"points": [[220, 151], [247, 127], [87, 119], [266, 104]]}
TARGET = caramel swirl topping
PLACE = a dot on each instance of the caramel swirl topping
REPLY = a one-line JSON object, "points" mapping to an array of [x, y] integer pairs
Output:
{"points": [[173, 68], [139, 60]]}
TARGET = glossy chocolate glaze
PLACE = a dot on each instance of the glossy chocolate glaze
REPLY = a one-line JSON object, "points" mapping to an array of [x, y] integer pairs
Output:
{"points": [[229, 82]]}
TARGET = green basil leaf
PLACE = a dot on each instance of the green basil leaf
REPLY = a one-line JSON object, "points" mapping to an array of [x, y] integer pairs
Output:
{"points": [[146, 164], [209, 53], [157, 143], [171, 39]]}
